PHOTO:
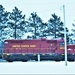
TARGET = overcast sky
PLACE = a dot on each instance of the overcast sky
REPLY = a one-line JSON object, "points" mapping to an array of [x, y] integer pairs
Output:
{"points": [[44, 8]]}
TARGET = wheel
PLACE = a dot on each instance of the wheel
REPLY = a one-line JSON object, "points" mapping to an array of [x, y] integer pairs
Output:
{"points": [[57, 60], [71, 60], [24, 60], [9, 60]]}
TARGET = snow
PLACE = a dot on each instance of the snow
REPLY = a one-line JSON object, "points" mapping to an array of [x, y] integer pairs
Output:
{"points": [[27, 34], [44, 67]]}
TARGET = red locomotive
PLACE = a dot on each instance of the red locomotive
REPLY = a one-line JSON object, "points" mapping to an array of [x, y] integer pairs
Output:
{"points": [[24, 50]]}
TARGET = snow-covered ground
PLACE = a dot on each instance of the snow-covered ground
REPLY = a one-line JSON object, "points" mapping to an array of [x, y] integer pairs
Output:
{"points": [[45, 67]]}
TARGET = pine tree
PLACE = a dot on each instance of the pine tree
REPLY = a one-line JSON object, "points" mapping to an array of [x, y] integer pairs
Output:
{"points": [[17, 23], [3, 22], [73, 33], [55, 26], [43, 30], [35, 23]]}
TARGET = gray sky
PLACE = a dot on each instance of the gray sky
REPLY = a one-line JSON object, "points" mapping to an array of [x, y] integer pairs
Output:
{"points": [[44, 8]]}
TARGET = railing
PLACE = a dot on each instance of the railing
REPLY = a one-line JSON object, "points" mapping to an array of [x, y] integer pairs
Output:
{"points": [[29, 50]]}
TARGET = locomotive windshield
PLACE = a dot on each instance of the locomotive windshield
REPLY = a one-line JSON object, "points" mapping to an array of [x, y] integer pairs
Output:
{"points": [[61, 45]]}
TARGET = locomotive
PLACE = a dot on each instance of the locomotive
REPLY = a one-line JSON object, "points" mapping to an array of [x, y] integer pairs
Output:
{"points": [[40, 49]]}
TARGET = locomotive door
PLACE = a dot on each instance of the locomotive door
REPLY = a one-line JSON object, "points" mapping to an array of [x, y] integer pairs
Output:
{"points": [[52, 46]]}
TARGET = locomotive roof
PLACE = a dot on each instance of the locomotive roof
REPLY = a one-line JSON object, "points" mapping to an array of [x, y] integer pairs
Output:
{"points": [[35, 39]]}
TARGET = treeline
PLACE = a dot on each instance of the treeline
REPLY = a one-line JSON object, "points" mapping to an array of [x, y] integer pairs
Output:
{"points": [[14, 25]]}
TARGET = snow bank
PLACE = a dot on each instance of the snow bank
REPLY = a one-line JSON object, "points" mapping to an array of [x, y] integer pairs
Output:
{"points": [[37, 68]]}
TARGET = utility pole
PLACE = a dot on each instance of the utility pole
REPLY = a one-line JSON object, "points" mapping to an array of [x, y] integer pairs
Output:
{"points": [[65, 40]]}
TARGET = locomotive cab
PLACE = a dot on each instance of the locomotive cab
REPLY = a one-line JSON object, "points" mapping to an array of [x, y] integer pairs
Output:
{"points": [[59, 53]]}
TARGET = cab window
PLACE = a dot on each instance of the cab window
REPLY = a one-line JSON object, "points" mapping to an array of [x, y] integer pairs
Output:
{"points": [[61, 43]]}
